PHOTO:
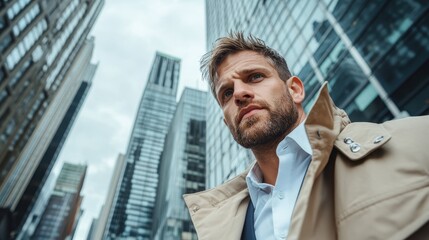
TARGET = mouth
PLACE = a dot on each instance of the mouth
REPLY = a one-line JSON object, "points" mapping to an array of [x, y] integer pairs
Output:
{"points": [[247, 112]]}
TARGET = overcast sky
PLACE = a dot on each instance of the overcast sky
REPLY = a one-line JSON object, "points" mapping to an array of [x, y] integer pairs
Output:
{"points": [[127, 35]]}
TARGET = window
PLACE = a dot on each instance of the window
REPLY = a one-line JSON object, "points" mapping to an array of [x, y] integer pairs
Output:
{"points": [[5, 42]]}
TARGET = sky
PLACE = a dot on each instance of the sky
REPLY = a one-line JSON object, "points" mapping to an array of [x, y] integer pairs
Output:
{"points": [[127, 35]]}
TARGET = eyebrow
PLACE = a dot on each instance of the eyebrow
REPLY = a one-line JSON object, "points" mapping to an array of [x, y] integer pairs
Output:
{"points": [[245, 71]]}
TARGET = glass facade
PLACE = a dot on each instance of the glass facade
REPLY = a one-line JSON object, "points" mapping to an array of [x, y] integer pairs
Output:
{"points": [[131, 215], [373, 54], [182, 168]]}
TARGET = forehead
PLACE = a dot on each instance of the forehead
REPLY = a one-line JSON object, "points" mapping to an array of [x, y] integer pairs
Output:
{"points": [[241, 62]]}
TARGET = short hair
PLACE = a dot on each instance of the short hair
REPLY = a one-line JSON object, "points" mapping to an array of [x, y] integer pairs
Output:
{"points": [[237, 42]]}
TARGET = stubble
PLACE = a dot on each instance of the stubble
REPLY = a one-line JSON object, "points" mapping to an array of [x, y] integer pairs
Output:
{"points": [[253, 131]]}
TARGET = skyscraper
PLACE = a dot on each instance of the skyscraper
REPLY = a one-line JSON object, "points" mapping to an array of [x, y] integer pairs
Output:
{"points": [[59, 219], [99, 230], [52, 149], [181, 168], [373, 54], [131, 216], [44, 58]]}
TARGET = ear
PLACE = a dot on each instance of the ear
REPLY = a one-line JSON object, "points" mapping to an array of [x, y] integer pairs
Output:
{"points": [[296, 89]]}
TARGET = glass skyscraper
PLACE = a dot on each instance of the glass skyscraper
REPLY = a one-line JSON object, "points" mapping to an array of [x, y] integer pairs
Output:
{"points": [[181, 168], [373, 54], [131, 216]]}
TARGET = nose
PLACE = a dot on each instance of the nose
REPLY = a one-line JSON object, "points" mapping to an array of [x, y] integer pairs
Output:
{"points": [[243, 94]]}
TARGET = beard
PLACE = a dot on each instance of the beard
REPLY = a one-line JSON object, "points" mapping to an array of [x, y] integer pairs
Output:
{"points": [[254, 131]]}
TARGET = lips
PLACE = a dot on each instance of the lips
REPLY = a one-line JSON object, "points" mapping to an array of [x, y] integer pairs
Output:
{"points": [[245, 111]]}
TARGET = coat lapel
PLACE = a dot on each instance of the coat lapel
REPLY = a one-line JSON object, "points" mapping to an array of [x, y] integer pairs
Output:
{"points": [[313, 216], [219, 213]]}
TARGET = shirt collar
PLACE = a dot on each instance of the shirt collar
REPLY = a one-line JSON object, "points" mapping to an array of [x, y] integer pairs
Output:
{"points": [[299, 136]]}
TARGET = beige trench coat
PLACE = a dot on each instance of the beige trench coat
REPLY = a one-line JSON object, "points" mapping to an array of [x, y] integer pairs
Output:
{"points": [[378, 189]]}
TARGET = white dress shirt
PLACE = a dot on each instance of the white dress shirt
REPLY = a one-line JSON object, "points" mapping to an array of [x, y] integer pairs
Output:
{"points": [[274, 204]]}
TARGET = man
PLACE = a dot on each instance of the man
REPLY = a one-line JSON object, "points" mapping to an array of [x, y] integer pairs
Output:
{"points": [[316, 176]]}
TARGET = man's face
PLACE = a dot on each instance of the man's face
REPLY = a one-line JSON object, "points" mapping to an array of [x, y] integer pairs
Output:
{"points": [[256, 103]]}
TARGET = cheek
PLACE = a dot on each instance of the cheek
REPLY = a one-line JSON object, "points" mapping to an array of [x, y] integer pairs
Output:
{"points": [[228, 118]]}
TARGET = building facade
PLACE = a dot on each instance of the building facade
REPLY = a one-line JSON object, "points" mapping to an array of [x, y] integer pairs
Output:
{"points": [[373, 54], [99, 229], [181, 168], [59, 220], [24, 212], [44, 58], [131, 215]]}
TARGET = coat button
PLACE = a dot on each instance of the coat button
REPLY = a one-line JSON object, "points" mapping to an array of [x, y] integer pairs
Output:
{"points": [[195, 208], [378, 139], [348, 140], [354, 147]]}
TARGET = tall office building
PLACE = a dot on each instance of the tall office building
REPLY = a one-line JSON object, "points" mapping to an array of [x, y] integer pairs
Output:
{"points": [[131, 216], [59, 220], [181, 168], [373, 54], [44, 59]]}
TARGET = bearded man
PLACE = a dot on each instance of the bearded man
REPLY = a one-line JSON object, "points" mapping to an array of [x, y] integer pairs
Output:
{"points": [[316, 175]]}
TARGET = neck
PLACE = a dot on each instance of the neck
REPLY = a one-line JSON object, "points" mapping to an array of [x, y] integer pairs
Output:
{"points": [[268, 161], [267, 158]]}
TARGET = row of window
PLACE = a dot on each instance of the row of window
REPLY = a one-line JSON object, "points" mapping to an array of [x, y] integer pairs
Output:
{"points": [[16, 8], [17, 77], [66, 14], [27, 42], [54, 79], [26, 20]]}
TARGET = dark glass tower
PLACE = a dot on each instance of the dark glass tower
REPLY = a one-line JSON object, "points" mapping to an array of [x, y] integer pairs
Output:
{"points": [[373, 54], [182, 168], [131, 216]]}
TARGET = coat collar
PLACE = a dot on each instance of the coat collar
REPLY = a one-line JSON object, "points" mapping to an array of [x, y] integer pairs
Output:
{"points": [[358, 140]]}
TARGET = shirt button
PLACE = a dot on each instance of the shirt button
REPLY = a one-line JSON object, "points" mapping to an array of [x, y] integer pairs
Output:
{"points": [[282, 235], [280, 195]]}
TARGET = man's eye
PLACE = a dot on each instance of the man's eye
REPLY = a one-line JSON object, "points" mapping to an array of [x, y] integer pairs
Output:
{"points": [[256, 77], [227, 93]]}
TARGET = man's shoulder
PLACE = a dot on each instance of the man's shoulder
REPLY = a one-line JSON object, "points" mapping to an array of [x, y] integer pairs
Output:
{"points": [[381, 169], [214, 196], [359, 139]]}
